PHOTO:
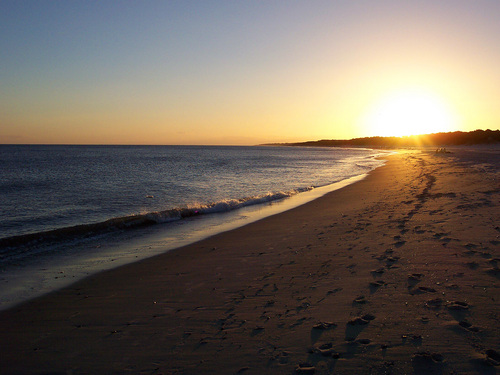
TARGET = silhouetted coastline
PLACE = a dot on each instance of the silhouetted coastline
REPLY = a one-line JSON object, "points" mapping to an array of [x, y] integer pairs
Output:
{"points": [[458, 138]]}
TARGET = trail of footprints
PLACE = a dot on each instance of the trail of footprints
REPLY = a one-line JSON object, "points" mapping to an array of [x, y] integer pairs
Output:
{"points": [[423, 360], [434, 302], [353, 327]]}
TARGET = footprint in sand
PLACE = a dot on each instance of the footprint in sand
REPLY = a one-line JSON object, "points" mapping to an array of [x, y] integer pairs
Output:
{"points": [[427, 289], [485, 255], [360, 300], [428, 357], [298, 322], [422, 289], [427, 363], [378, 271], [325, 350], [355, 326], [492, 357], [305, 368], [391, 260], [284, 358], [472, 265], [470, 252], [416, 340], [494, 262], [336, 290], [414, 279], [324, 325], [470, 246], [435, 303], [457, 305], [415, 276], [377, 284], [468, 326], [419, 230], [363, 320], [363, 341], [494, 272]]}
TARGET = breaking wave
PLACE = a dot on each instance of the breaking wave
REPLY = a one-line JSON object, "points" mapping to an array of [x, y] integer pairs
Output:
{"points": [[136, 221]]}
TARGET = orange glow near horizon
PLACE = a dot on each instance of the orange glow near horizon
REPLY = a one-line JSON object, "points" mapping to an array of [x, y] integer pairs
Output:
{"points": [[409, 112], [246, 73]]}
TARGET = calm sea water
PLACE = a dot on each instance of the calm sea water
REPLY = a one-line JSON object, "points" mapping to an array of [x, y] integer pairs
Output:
{"points": [[44, 188], [62, 200]]}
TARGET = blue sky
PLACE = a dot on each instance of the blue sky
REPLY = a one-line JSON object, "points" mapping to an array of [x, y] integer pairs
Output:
{"points": [[234, 72]]}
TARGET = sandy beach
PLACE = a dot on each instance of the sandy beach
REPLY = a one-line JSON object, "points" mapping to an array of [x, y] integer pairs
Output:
{"points": [[396, 274]]}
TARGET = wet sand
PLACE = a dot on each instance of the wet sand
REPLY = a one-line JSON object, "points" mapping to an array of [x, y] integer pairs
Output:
{"points": [[398, 273]]}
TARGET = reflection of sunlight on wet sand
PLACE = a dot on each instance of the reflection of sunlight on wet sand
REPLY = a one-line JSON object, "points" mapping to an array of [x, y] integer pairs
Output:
{"points": [[409, 112]]}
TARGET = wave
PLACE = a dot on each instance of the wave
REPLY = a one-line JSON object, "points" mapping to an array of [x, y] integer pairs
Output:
{"points": [[91, 230]]}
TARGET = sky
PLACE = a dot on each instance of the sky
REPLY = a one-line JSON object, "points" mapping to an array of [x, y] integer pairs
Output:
{"points": [[245, 72]]}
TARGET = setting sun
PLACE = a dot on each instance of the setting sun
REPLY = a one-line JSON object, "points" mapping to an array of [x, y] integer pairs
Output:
{"points": [[409, 112]]}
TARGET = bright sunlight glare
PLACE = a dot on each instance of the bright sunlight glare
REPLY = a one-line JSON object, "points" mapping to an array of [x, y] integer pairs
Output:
{"points": [[409, 112]]}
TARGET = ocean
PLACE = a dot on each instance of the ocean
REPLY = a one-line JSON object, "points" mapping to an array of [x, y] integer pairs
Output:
{"points": [[70, 211]]}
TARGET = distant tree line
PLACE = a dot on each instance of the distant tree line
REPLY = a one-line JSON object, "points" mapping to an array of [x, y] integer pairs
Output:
{"points": [[457, 138]]}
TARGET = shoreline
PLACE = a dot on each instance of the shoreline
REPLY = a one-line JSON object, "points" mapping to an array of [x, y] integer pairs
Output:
{"points": [[40, 278], [397, 272]]}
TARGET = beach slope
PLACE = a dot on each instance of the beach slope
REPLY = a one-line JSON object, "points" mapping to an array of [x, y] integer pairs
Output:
{"points": [[398, 273]]}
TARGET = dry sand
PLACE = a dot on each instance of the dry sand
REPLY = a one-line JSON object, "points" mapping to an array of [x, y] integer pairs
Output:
{"points": [[395, 274]]}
